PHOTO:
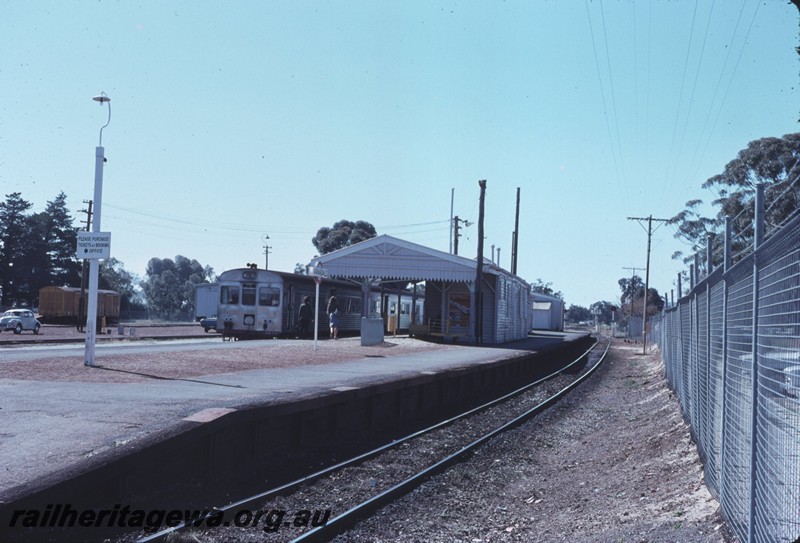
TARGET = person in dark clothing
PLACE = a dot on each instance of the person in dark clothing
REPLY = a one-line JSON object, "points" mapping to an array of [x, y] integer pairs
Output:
{"points": [[304, 317]]}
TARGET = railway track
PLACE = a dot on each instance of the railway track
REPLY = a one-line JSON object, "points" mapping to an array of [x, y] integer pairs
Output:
{"points": [[349, 491]]}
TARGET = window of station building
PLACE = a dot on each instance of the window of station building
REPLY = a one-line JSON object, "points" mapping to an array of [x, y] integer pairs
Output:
{"points": [[248, 294], [229, 294], [269, 296]]}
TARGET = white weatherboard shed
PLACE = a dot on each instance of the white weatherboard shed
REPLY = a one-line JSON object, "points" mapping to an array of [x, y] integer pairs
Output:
{"points": [[548, 312], [450, 301]]}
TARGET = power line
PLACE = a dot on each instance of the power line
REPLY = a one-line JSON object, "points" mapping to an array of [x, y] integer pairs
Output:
{"points": [[680, 96], [603, 98]]}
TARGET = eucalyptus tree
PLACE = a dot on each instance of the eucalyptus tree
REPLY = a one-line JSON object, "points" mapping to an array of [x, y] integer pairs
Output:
{"points": [[774, 162], [343, 234], [169, 286]]}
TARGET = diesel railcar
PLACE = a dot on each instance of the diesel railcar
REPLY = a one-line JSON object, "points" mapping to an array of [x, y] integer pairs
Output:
{"points": [[256, 303]]}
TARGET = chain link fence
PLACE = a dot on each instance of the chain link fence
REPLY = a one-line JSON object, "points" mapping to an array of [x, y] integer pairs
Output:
{"points": [[731, 351]]}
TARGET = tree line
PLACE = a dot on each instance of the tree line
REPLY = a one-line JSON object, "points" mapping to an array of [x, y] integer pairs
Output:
{"points": [[39, 249]]}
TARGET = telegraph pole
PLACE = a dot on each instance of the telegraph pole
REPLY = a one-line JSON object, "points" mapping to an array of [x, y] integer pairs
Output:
{"points": [[515, 239], [633, 274], [455, 234], [479, 271], [452, 199], [649, 220], [84, 265], [266, 251], [456, 228]]}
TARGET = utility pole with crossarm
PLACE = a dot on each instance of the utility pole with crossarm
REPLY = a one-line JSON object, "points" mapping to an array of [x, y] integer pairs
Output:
{"points": [[649, 220]]}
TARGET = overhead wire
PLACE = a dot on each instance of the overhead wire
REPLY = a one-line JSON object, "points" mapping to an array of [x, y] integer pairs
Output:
{"points": [[694, 85], [668, 181], [730, 80], [222, 226], [613, 96], [603, 98], [695, 160]]}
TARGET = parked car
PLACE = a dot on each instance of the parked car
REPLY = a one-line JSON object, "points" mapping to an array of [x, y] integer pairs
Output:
{"points": [[209, 323], [18, 320]]}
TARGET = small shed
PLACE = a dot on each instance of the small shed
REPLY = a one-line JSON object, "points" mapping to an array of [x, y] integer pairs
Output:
{"points": [[548, 312], [500, 313]]}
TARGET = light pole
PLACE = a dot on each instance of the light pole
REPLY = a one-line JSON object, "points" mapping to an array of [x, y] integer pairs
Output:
{"points": [[266, 251], [94, 263]]}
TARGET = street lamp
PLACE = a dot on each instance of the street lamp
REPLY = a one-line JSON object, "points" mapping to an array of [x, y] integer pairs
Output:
{"points": [[94, 263]]}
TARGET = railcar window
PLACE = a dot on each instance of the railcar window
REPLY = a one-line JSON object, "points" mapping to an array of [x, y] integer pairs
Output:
{"points": [[405, 309], [352, 305], [248, 294], [229, 294], [269, 296]]}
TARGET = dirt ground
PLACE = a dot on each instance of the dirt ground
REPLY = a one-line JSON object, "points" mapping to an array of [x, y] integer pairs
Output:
{"points": [[613, 462]]}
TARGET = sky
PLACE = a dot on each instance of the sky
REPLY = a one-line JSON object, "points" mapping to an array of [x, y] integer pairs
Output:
{"points": [[233, 121]]}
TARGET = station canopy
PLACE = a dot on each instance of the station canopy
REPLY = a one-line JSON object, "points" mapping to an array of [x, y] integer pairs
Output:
{"points": [[391, 259]]}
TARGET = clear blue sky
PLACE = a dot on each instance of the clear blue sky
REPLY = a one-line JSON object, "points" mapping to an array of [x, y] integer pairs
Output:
{"points": [[232, 120]]}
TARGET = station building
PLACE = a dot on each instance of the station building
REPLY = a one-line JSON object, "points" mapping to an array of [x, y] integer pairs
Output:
{"points": [[489, 305]]}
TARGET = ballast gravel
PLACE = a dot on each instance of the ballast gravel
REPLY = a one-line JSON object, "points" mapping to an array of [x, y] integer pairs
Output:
{"points": [[613, 462]]}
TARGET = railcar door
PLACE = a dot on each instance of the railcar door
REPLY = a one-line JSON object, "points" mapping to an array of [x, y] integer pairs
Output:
{"points": [[269, 312]]}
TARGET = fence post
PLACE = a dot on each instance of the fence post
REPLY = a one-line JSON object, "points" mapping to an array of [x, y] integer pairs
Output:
{"points": [[758, 238], [728, 248], [706, 433], [696, 269], [709, 253], [723, 449]]}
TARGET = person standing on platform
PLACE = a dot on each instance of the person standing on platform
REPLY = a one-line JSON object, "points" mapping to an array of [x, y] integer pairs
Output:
{"points": [[333, 316], [305, 317]]}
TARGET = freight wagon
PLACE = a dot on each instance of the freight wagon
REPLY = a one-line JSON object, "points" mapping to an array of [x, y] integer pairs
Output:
{"points": [[63, 304]]}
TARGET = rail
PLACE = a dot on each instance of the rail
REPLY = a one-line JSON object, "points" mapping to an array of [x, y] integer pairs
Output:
{"points": [[341, 522]]}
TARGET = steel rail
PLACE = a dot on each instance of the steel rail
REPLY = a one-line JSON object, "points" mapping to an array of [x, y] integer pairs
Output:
{"points": [[285, 488], [347, 519]]}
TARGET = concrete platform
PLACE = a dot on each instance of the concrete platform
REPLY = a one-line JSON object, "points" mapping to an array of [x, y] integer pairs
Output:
{"points": [[55, 434]]}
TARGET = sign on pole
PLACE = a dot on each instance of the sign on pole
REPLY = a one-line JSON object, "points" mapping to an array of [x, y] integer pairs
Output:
{"points": [[94, 245], [317, 272]]}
